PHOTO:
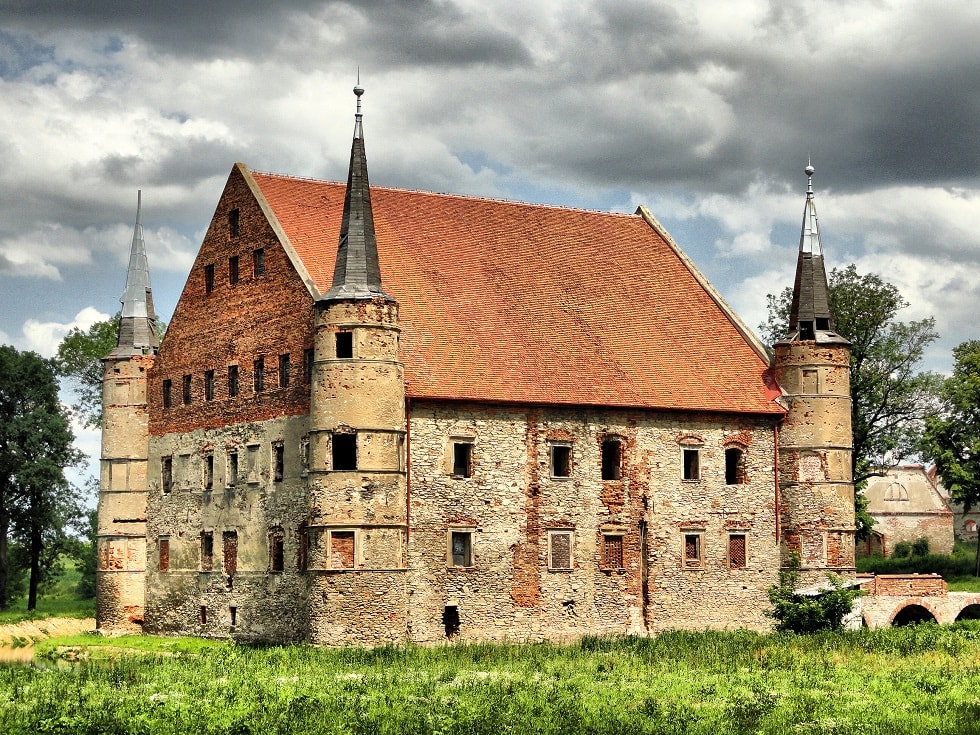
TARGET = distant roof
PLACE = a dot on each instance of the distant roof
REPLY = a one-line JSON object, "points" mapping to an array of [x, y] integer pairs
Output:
{"points": [[513, 302]]}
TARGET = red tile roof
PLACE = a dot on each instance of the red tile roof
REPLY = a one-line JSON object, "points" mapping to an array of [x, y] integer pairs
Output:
{"points": [[504, 301]]}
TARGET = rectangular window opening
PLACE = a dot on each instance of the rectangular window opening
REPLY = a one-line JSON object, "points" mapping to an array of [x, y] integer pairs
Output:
{"points": [[232, 478], [461, 548], [561, 460], [168, 397], [233, 270], [692, 464], [229, 542], [277, 548], [559, 549], [278, 461], [303, 548], [612, 459], [450, 620], [208, 278], [187, 390], [204, 615], [344, 452], [234, 222], [342, 550], [208, 471], [167, 473], [258, 262], [612, 551], [692, 549], [736, 551], [232, 381], [209, 385], [207, 551], [463, 459], [163, 546], [345, 344], [734, 466], [233, 611], [284, 371], [258, 375]]}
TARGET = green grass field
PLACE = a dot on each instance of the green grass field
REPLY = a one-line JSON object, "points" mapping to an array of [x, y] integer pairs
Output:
{"points": [[917, 679]]}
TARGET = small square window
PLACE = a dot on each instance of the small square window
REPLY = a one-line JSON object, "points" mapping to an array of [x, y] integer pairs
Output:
{"points": [[167, 473], [258, 375], [345, 344], [187, 390], [561, 460], [232, 381], [736, 551], [258, 262], [168, 390], [342, 550], [734, 466], [692, 549], [460, 548], [163, 551], [284, 371], [209, 385], [692, 464], [233, 270], [208, 278], [234, 223], [612, 551], [560, 549], [344, 452], [612, 459], [278, 461], [462, 459]]}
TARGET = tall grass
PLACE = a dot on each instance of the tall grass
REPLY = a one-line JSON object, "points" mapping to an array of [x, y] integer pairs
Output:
{"points": [[901, 680]]}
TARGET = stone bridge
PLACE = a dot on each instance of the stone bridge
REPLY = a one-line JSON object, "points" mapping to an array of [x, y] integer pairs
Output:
{"points": [[901, 599]]}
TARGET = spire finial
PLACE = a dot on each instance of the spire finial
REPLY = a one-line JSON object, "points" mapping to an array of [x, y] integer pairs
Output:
{"points": [[358, 91]]}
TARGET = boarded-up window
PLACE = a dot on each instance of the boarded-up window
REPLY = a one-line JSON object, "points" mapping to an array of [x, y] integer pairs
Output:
{"points": [[229, 540], [612, 551], [612, 459], [560, 550], [736, 551], [207, 551], [692, 549], [163, 549], [342, 550]]}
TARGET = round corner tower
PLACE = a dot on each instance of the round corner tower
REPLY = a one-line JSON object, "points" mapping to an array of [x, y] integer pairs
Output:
{"points": [[812, 366], [121, 566], [357, 473]]}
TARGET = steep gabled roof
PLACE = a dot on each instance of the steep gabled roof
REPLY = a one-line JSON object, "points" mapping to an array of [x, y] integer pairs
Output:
{"points": [[505, 301]]}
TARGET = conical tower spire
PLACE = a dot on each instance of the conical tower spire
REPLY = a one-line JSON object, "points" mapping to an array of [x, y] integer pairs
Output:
{"points": [[137, 327], [357, 273], [811, 317]]}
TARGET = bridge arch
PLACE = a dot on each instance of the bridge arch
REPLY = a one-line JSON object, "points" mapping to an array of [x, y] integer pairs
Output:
{"points": [[911, 613], [969, 612]]}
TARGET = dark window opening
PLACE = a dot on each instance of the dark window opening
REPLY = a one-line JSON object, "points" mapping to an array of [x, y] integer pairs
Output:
{"points": [[229, 541], [344, 452], [561, 550], [233, 270], [258, 375], [806, 330], [278, 462], [204, 615], [163, 545], [209, 385], [232, 478], [234, 223], [342, 550], [167, 473], [692, 550], [308, 365], [187, 390], [168, 398], [208, 471], [463, 459], [208, 278], [234, 615], [561, 461], [736, 551], [207, 551], [345, 344], [692, 464], [823, 323], [258, 262], [277, 549], [303, 548], [232, 381], [734, 466], [462, 548], [612, 459], [450, 620], [284, 371], [612, 551]]}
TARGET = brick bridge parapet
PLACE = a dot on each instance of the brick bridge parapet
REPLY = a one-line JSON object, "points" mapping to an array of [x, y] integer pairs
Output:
{"points": [[888, 594]]}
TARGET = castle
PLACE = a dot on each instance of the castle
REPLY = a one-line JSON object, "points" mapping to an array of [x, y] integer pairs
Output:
{"points": [[382, 415]]}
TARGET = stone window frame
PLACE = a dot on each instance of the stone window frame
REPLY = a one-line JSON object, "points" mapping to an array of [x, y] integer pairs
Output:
{"points": [[468, 533], [607, 535], [357, 560], [554, 458], [232, 467], [467, 441], [697, 560], [688, 450], [561, 531], [744, 535]]}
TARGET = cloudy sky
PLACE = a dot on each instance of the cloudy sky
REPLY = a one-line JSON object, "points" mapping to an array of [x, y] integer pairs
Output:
{"points": [[704, 110]]}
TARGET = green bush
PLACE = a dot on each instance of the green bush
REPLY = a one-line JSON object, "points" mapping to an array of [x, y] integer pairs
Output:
{"points": [[797, 613], [921, 546], [902, 550]]}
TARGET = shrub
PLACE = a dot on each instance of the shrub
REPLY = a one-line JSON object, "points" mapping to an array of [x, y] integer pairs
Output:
{"points": [[903, 550], [797, 613], [921, 546]]}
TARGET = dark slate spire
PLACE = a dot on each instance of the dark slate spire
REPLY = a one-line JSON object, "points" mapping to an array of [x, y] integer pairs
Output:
{"points": [[357, 274], [137, 327], [810, 315]]}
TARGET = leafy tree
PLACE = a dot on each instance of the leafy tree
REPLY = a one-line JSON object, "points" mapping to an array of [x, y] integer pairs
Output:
{"points": [[890, 397], [79, 360], [36, 501], [794, 612], [952, 436]]}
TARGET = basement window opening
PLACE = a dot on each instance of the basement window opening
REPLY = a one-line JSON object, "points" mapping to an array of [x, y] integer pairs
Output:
{"points": [[734, 466], [612, 459], [344, 452], [561, 460], [692, 464], [233, 270], [462, 459], [345, 344], [450, 620]]}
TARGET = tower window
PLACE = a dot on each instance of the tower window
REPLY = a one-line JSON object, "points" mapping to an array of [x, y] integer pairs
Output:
{"points": [[167, 473], [187, 390], [207, 551], [234, 223], [823, 323], [209, 385], [168, 398], [232, 478], [561, 460], [612, 459], [345, 344], [258, 375], [278, 463], [806, 330], [344, 452], [208, 278], [692, 464], [734, 466], [232, 381], [342, 550], [258, 262], [462, 459], [229, 541], [460, 548], [284, 371]]}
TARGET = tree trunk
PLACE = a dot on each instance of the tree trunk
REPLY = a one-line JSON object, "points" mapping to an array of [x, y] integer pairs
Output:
{"points": [[37, 546], [976, 570]]}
